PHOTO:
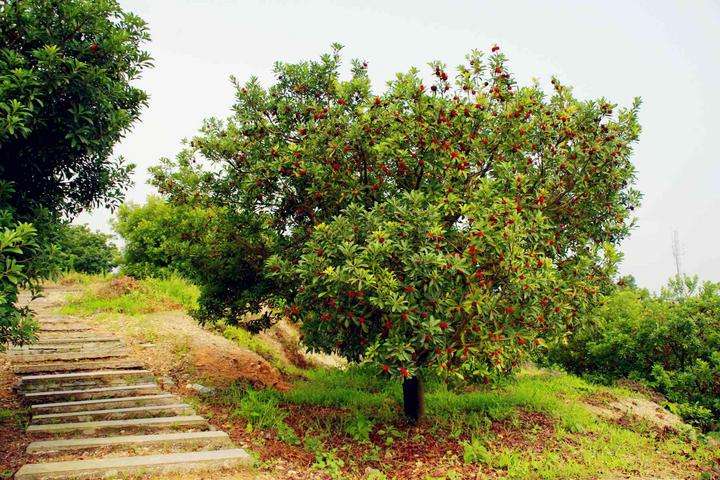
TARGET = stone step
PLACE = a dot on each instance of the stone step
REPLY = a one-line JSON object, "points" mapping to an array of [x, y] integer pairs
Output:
{"points": [[199, 439], [104, 403], [144, 411], [56, 381], [45, 342], [87, 354], [68, 348], [133, 423], [114, 467], [99, 393], [99, 364], [63, 328]]}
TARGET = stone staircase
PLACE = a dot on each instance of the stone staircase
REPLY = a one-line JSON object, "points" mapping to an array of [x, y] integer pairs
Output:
{"points": [[97, 413]]}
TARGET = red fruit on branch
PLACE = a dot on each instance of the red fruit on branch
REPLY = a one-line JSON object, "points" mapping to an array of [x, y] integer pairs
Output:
{"points": [[443, 325], [94, 48], [385, 368], [510, 310], [495, 48], [404, 372]]}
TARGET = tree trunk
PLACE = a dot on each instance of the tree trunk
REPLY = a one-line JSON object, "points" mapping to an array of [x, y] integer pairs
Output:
{"points": [[414, 398]]}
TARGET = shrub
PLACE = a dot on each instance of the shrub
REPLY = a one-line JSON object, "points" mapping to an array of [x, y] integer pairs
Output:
{"points": [[86, 251], [671, 342]]}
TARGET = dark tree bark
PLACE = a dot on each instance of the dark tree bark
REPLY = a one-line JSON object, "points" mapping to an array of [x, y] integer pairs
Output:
{"points": [[414, 398]]}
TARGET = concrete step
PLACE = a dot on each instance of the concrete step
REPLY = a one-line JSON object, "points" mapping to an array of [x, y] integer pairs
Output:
{"points": [[64, 328], [215, 439], [98, 364], [144, 411], [85, 354], [133, 423], [98, 393], [45, 342], [77, 380], [104, 403], [114, 467], [67, 348]]}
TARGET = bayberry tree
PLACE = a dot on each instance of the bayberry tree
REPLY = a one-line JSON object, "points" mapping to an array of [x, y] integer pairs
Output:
{"points": [[450, 225], [66, 98]]}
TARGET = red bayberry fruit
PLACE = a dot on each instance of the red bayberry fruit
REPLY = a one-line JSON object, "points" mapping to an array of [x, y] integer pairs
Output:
{"points": [[443, 325], [510, 310], [385, 368], [404, 372], [94, 48], [495, 48]]}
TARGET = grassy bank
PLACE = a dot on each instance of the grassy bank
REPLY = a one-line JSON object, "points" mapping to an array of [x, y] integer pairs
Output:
{"points": [[346, 423]]}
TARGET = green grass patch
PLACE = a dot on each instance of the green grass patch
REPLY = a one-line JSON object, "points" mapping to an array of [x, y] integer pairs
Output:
{"points": [[128, 296], [20, 417]]}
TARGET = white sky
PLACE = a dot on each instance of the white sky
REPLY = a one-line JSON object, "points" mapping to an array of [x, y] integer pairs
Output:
{"points": [[666, 52]]}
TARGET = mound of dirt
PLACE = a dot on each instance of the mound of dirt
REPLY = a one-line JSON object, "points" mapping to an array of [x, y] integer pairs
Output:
{"points": [[618, 409]]}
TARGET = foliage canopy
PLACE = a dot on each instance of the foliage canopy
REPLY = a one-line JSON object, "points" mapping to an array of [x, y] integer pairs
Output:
{"points": [[452, 226], [65, 99], [86, 251]]}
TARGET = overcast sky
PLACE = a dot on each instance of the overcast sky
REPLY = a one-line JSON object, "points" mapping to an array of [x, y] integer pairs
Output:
{"points": [[666, 52]]}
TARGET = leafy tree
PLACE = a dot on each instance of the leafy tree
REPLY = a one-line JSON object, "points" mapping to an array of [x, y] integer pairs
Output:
{"points": [[449, 228], [200, 243], [86, 251], [66, 98]]}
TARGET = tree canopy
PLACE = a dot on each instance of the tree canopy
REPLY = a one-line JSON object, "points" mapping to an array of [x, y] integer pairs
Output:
{"points": [[66, 98], [451, 224]]}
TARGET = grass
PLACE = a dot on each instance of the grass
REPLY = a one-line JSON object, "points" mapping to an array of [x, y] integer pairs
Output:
{"points": [[127, 296], [577, 444], [19, 417]]}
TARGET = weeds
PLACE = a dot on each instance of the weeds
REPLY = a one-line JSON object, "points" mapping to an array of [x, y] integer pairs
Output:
{"points": [[134, 297]]}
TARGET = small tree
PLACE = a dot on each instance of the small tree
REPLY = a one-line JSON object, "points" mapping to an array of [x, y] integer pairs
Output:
{"points": [[86, 251], [451, 227], [66, 98]]}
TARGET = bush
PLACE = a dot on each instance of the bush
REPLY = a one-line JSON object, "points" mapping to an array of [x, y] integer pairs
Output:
{"points": [[671, 342], [86, 251]]}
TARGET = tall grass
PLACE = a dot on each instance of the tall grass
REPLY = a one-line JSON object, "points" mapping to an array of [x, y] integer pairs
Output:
{"points": [[132, 297]]}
